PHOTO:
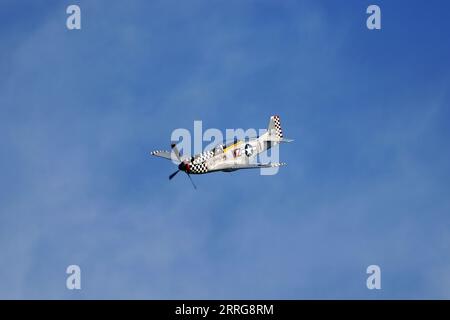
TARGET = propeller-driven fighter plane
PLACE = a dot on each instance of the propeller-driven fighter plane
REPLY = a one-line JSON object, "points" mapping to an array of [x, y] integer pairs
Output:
{"points": [[228, 157]]}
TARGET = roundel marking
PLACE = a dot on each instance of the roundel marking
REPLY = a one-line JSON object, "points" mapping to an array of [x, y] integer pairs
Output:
{"points": [[248, 150]]}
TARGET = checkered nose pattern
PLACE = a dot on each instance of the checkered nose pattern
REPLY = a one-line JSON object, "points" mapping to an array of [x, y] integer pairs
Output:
{"points": [[198, 166]]}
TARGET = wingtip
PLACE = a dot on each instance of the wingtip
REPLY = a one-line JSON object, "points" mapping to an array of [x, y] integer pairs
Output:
{"points": [[155, 152]]}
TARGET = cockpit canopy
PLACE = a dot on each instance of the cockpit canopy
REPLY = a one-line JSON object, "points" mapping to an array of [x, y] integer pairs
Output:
{"points": [[218, 149]]}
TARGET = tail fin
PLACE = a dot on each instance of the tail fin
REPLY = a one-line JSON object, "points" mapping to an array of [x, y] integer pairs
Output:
{"points": [[275, 127]]}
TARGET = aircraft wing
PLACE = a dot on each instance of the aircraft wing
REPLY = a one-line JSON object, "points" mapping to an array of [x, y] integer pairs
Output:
{"points": [[161, 154], [278, 140], [256, 165]]}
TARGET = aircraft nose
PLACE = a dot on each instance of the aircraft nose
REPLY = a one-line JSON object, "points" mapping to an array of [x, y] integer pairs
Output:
{"points": [[184, 166]]}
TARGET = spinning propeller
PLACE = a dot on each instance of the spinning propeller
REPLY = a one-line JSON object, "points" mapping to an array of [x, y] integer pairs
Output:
{"points": [[183, 166]]}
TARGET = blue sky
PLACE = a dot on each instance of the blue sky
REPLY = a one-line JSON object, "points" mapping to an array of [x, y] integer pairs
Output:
{"points": [[367, 180]]}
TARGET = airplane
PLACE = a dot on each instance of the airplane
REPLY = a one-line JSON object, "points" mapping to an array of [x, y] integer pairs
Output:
{"points": [[228, 157]]}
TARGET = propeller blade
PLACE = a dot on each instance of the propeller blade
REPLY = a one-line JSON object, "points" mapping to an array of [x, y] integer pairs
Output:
{"points": [[173, 174], [193, 184], [175, 151]]}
